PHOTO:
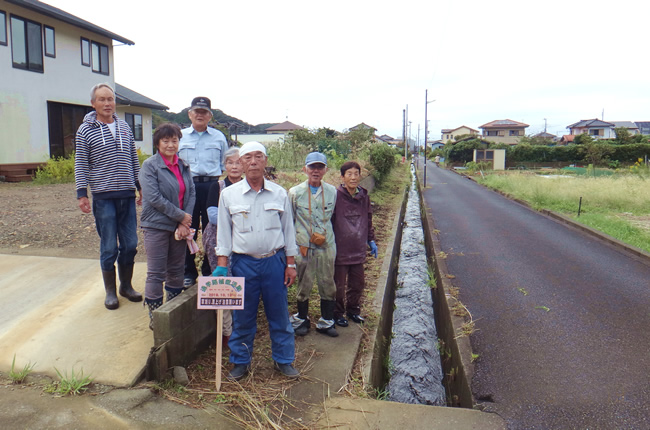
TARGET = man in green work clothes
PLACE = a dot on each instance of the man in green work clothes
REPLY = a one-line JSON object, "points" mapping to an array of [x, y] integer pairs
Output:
{"points": [[313, 204]]}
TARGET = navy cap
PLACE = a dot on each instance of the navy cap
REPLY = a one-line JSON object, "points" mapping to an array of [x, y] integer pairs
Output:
{"points": [[315, 157], [201, 103]]}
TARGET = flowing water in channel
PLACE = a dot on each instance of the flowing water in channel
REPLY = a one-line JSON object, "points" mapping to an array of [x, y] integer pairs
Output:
{"points": [[415, 368]]}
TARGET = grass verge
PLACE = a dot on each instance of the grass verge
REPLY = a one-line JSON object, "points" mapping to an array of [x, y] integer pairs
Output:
{"points": [[617, 205]]}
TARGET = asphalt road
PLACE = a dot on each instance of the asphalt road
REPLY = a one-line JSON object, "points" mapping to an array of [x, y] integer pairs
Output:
{"points": [[562, 319]]}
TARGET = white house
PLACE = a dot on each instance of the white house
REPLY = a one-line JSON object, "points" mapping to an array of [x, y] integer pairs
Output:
{"points": [[49, 61]]}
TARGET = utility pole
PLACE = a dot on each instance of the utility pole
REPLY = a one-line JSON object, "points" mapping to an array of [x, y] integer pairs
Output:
{"points": [[409, 141], [426, 131], [417, 159], [544, 125], [406, 117], [404, 131]]}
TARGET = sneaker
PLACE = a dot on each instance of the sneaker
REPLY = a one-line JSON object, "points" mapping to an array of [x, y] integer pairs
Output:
{"points": [[286, 369], [356, 318], [341, 322], [239, 371], [188, 282], [330, 331]]}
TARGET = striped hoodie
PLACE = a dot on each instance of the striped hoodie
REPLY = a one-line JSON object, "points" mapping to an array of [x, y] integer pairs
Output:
{"points": [[109, 165]]}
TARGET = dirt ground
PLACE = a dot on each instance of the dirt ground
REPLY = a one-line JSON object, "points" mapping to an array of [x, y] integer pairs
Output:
{"points": [[45, 220]]}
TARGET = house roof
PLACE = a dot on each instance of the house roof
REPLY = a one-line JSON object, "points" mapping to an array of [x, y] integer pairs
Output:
{"points": [[546, 135], [568, 138], [285, 126], [590, 123], [503, 123], [52, 12], [362, 125], [125, 96], [626, 124], [451, 130]]}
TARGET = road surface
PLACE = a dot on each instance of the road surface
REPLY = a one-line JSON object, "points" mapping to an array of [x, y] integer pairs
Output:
{"points": [[562, 318]]}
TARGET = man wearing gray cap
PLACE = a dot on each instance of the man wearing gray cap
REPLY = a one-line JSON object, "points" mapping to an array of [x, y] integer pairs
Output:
{"points": [[255, 230], [204, 149], [313, 203]]}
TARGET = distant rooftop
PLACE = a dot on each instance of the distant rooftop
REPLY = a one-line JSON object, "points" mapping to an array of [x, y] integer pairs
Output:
{"points": [[503, 123]]}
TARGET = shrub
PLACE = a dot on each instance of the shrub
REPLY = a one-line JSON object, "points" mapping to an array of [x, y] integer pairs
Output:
{"points": [[462, 151], [56, 171], [382, 158], [289, 154]]}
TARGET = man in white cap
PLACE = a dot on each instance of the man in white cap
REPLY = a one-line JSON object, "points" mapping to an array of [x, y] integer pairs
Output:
{"points": [[204, 149], [255, 229], [313, 203]]}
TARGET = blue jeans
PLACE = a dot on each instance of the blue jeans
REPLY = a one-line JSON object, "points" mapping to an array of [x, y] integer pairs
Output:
{"points": [[265, 278], [116, 219]]}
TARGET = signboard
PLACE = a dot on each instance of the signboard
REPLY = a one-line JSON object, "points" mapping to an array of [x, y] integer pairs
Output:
{"points": [[220, 293]]}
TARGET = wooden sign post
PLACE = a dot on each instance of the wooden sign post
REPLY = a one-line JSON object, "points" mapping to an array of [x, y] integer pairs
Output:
{"points": [[220, 293]]}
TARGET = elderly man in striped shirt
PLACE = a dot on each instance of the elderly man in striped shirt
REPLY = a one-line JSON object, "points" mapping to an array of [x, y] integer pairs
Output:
{"points": [[106, 160]]}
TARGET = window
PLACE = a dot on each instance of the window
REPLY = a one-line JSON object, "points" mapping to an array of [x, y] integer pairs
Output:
{"points": [[135, 122], [26, 44], [492, 133], [489, 155], [50, 47], [3, 28], [501, 133], [85, 52], [99, 58], [514, 132], [596, 132]]}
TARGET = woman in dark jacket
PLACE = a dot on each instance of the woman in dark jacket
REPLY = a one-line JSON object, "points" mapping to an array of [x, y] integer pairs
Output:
{"points": [[167, 205], [353, 232]]}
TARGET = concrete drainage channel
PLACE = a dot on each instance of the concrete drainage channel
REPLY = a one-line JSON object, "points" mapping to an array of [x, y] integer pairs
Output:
{"points": [[417, 356], [414, 366]]}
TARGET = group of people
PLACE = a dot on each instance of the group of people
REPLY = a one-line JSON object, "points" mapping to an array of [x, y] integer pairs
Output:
{"points": [[252, 228]]}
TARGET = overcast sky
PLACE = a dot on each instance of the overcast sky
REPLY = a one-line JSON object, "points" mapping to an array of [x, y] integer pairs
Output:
{"points": [[338, 63]]}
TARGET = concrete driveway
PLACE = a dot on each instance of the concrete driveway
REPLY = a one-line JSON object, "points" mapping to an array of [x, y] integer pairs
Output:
{"points": [[52, 314]]}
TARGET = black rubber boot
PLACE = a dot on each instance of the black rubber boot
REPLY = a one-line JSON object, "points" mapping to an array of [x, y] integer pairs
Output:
{"points": [[327, 313], [303, 313], [173, 292], [152, 305], [126, 289], [111, 301]]}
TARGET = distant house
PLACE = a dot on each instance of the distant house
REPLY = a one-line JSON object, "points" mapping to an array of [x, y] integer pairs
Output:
{"points": [[629, 125], [449, 134], [363, 126], [283, 128], [436, 144], [49, 61], [135, 109], [644, 127], [545, 135], [595, 128], [503, 131], [567, 139], [385, 138]]}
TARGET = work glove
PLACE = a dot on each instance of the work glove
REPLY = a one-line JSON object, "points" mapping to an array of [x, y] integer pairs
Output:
{"points": [[220, 271], [373, 248]]}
